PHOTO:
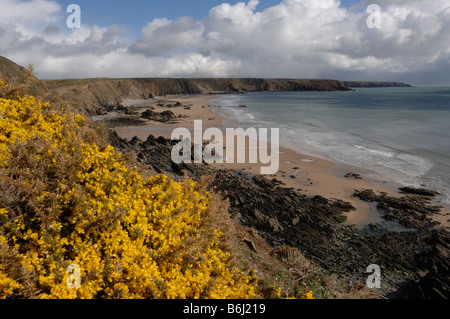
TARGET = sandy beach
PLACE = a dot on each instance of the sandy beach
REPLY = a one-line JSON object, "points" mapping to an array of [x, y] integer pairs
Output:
{"points": [[310, 175]]}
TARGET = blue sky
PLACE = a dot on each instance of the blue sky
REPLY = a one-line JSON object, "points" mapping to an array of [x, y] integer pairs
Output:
{"points": [[228, 38]]}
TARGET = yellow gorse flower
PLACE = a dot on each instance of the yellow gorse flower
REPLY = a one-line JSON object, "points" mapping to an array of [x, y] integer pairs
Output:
{"points": [[308, 295], [129, 236]]}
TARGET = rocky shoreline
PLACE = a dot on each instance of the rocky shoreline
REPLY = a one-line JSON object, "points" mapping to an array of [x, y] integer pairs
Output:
{"points": [[414, 262]]}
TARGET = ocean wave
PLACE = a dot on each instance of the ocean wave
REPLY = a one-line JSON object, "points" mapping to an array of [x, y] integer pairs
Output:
{"points": [[382, 153]]}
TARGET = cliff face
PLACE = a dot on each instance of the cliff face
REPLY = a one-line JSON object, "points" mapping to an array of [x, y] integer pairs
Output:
{"points": [[93, 95]]}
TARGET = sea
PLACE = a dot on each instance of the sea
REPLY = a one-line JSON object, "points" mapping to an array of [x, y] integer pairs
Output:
{"points": [[399, 134]]}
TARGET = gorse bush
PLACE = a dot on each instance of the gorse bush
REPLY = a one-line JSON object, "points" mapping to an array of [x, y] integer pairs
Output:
{"points": [[77, 222]]}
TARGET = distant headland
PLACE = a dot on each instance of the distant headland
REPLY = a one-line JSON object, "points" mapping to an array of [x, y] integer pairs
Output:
{"points": [[372, 84]]}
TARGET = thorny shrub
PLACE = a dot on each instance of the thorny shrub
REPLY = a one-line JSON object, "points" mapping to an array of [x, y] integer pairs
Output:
{"points": [[65, 201]]}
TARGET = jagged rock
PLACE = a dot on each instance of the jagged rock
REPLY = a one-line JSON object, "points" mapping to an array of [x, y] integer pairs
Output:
{"points": [[418, 191], [410, 211], [165, 116], [366, 195], [353, 175], [263, 181], [435, 262]]}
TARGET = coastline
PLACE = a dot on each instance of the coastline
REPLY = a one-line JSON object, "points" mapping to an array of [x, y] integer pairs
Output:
{"points": [[309, 175]]}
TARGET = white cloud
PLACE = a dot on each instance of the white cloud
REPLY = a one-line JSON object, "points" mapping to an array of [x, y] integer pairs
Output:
{"points": [[20, 12], [161, 36], [28, 17], [296, 38]]}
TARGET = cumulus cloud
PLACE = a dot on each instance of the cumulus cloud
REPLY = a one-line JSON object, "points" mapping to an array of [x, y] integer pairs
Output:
{"points": [[161, 36], [296, 38], [27, 17]]}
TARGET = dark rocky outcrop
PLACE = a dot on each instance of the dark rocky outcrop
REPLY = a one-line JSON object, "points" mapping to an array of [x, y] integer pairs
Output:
{"points": [[353, 175], [164, 117], [418, 191], [409, 211], [434, 284]]}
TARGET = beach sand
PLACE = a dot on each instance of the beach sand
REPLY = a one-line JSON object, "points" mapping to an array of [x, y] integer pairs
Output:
{"points": [[310, 175]]}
